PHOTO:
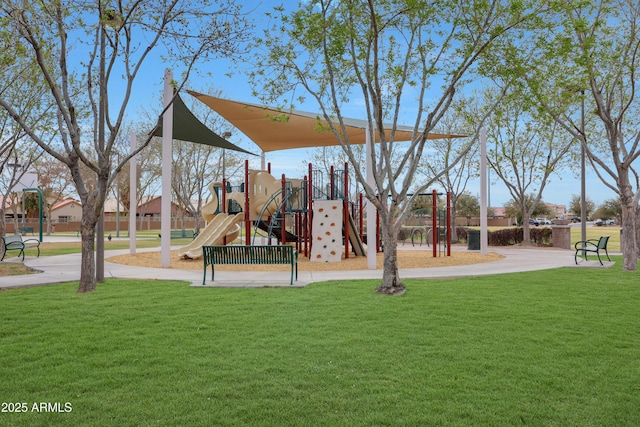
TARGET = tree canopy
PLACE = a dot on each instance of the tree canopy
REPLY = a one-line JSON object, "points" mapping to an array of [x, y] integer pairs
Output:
{"points": [[382, 55], [88, 55]]}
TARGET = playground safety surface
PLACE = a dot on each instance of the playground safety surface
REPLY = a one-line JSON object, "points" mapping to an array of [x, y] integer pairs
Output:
{"points": [[408, 257]]}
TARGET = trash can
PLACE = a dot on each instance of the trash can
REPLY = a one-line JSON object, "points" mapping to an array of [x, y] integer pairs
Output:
{"points": [[473, 239]]}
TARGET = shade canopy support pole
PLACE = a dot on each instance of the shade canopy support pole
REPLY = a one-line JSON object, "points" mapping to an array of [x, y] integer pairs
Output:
{"points": [[167, 155]]}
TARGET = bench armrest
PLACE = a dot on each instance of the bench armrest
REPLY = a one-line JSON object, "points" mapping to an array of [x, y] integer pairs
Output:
{"points": [[586, 243]]}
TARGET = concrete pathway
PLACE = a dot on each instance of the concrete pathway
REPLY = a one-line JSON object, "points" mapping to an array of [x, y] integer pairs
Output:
{"points": [[66, 268]]}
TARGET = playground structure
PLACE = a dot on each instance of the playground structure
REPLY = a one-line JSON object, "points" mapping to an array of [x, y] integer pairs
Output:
{"points": [[315, 216], [439, 231], [301, 212]]}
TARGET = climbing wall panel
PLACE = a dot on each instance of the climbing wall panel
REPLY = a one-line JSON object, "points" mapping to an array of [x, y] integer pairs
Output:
{"points": [[327, 231]]}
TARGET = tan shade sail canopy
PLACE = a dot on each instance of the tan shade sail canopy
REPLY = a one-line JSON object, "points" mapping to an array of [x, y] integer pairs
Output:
{"points": [[275, 130]]}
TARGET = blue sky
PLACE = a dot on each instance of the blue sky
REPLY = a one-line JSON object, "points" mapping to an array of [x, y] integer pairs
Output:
{"points": [[148, 88]]}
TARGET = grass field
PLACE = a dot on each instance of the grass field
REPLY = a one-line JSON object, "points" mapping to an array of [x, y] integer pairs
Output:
{"points": [[558, 347]]}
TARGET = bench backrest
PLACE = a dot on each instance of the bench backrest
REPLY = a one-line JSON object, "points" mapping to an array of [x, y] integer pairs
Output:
{"points": [[11, 238], [602, 243], [235, 254]]}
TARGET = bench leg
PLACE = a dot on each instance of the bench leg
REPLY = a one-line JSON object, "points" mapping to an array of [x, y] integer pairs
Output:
{"points": [[294, 264], [204, 278]]}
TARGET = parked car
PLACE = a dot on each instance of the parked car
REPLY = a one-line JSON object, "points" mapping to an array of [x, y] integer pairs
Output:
{"points": [[541, 221], [576, 219], [598, 222], [609, 221]]}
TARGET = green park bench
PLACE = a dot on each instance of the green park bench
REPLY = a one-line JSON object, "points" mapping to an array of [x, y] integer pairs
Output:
{"points": [[16, 243], [593, 246], [235, 254], [26, 230]]}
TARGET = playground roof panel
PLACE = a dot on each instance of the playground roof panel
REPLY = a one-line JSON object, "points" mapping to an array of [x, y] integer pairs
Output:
{"points": [[274, 130], [187, 127]]}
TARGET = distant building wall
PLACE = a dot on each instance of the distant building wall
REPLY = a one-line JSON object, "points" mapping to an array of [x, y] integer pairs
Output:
{"points": [[109, 225]]}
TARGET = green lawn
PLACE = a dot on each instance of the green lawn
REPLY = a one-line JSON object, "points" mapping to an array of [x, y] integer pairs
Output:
{"points": [[62, 248], [559, 347], [613, 245]]}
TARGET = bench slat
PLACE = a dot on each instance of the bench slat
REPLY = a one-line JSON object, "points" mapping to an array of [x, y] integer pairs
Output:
{"points": [[235, 254]]}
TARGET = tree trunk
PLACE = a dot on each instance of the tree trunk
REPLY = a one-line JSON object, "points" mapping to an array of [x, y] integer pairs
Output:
{"points": [[391, 284], [526, 230], [49, 223], [637, 236], [88, 263], [3, 228], [629, 233], [454, 228]]}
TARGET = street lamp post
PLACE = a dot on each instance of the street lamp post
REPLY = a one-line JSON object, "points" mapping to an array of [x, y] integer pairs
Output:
{"points": [[101, 125], [108, 18], [583, 185], [118, 203]]}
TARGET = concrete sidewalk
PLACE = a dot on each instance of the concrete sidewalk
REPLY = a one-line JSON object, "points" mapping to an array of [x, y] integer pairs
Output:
{"points": [[66, 268]]}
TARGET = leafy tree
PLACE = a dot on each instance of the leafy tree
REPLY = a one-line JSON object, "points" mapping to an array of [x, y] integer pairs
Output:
{"points": [[55, 182], [17, 152], [383, 55], [527, 147], [575, 205], [445, 151], [588, 60], [89, 54], [513, 208], [148, 167], [422, 204], [467, 206], [609, 209]]}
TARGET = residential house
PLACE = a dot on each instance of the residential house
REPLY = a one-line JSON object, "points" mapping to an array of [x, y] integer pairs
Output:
{"points": [[68, 210], [152, 208], [111, 209], [557, 211]]}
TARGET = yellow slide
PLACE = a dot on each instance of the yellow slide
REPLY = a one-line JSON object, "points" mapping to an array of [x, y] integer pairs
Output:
{"points": [[221, 226]]}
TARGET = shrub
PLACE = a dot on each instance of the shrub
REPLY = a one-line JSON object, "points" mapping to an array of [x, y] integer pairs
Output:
{"points": [[541, 236], [506, 237], [513, 236]]}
